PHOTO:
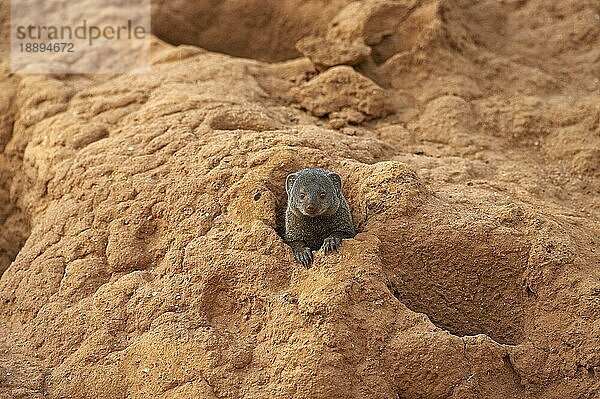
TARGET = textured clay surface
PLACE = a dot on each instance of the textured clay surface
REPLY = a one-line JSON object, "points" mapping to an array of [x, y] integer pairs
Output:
{"points": [[325, 54], [141, 215]]}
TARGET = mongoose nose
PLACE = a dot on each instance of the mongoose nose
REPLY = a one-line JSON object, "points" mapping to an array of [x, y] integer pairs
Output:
{"points": [[311, 208]]}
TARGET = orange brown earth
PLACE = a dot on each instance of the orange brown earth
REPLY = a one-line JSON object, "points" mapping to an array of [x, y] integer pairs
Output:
{"points": [[140, 214]]}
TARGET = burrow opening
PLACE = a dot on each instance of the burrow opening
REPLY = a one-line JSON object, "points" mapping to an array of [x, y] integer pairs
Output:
{"points": [[258, 29]]}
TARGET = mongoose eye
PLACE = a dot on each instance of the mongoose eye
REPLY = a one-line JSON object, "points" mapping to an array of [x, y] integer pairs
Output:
{"points": [[322, 195], [302, 195]]}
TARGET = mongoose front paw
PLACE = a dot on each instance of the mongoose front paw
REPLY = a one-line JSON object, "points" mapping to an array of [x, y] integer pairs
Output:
{"points": [[331, 244], [304, 256]]}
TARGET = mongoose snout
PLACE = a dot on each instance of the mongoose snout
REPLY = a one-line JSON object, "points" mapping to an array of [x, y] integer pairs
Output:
{"points": [[317, 214]]}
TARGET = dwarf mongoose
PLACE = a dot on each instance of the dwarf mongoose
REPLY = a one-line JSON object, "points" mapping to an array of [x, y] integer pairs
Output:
{"points": [[317, 214]]}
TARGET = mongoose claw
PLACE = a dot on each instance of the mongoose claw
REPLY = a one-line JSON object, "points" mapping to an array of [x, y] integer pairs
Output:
{"points": [[304, 256], [331, 244]]}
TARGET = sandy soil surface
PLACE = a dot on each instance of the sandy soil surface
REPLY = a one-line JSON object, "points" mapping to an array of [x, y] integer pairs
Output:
{"points": [[141, 215]]}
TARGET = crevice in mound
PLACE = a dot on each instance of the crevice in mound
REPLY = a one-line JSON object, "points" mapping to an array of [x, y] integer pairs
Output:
{"points": [[466, 285], [509, 366], [262, 30], [15, 231], [14, 226]]}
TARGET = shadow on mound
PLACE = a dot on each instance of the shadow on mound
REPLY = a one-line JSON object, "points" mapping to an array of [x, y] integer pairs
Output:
{"points": [[14, 229], [263, 30], [14, 225], [466, 279], [458, 266]]}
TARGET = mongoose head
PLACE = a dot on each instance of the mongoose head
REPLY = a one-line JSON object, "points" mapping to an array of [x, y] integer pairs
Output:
{"points": [[313, 192]]}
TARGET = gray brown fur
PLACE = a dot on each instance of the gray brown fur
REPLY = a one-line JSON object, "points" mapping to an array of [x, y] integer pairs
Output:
{"points": [[317, 214]]}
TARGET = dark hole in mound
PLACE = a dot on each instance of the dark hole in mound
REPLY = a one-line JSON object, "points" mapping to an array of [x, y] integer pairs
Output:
{"points": [[280, 205], [281, 220], [466, 283], [263, 30]]}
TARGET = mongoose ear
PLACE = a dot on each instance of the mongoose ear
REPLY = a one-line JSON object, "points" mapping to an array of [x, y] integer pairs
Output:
{"points": [[289, 182], [337, 181]]}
